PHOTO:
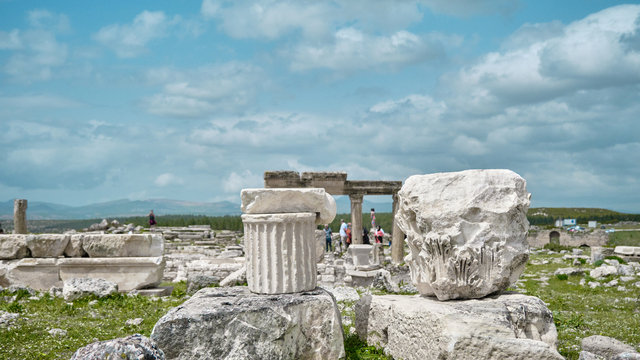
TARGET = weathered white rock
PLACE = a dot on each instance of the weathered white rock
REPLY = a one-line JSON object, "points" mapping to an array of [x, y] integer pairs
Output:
{"points": [[131, 347], [13, 246], [569, 271], [36, 273], [235, 278], [466, 231], [344, 293], [74, 247], [129, 273], [321, 244], [627, 250], [233, 323], [360, 255], [599, 253], [80, 287], [585, 355], [123, 245], [509, 326], [287, 200], [47, 245], [7, 319], [58, 332], [280, 252], [605, 346], [626, 270], [603, 271]]}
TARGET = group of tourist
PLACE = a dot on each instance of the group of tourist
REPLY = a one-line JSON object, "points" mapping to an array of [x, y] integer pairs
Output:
{"points": [[346, 234]]}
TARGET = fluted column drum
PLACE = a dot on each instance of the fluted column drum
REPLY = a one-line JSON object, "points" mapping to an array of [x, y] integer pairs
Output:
{"points": [[280, 252]]}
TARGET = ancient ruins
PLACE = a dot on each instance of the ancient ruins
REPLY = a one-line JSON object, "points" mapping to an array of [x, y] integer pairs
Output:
{"points": [[336, 183]]}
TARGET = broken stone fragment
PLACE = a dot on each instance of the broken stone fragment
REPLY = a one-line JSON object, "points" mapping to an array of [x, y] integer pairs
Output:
{"points": [[276, 200], [466, 231]]}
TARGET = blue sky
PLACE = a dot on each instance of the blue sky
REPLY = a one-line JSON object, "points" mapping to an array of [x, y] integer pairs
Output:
{"points": [[195, 100]]}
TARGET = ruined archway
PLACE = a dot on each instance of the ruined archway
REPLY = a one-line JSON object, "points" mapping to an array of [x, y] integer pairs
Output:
{"points": [[554, 238]]}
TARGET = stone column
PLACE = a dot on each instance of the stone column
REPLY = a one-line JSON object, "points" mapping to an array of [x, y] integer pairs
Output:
{"points": [[280, 252], [397, 240], [20, 216], [356, 218]]}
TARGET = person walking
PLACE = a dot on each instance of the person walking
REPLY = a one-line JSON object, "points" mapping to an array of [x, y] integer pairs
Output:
{"points": [[327, 236], [343, 235], [373, 218], [365, 236], [152, 219], [349, 234], [379, 235]]}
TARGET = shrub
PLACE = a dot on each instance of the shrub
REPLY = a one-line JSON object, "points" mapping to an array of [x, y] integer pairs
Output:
{"points": [[562, 276]]}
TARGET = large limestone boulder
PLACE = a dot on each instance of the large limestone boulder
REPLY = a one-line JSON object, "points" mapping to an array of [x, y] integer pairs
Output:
{"points": [[13, 246], [80, 287], [466, 231], [47, 245], [604, 346], [509, 326], [233, 323], [286, 200], [131, 347], [123, 245]]}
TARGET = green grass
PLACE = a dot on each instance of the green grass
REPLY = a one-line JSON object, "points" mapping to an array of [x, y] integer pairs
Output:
{"points": [[85, 323], [580, 311], [624, 238]]}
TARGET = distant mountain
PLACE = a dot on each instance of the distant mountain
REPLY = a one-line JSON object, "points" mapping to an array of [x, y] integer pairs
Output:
{"points": [[50, 211]]}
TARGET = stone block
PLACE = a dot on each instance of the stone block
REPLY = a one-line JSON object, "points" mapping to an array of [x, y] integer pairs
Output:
{"points": [[13, 246], [233, 323], [129, 273], [36, 273], [510, 326], [466, 231], [280, 252], [287, 200], [360, 254], [131, 347], [627, 251], [74, 247], [47, 245], [321, 244], [123, 245]]}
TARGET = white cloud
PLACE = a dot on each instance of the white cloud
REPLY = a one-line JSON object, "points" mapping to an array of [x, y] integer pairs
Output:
{"points": [[244, 180], [130, 40], [10, 40], [203, 91], [36, 52], [353, 49], [168, 179], [471, 7], [587, 54]]}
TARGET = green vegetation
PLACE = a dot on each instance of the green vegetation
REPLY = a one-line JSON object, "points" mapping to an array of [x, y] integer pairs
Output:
{"points": [[624, 238], [580, 311], [85, 321], [548, 216]]}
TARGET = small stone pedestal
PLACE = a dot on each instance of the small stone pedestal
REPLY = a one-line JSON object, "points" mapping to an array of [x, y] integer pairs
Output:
{"points": [[509, 326], [360, 254], [234, 323]]}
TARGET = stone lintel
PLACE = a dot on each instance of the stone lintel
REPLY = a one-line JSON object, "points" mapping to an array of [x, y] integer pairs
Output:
{"points": [[129, 273], [366, 187]]}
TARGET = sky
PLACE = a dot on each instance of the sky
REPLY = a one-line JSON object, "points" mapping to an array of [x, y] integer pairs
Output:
{"points": [[194, 100]]}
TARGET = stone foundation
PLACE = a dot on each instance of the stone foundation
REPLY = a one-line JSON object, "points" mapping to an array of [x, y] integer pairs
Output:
{"points": [[43, 273], [510, 326], [233, 323]]}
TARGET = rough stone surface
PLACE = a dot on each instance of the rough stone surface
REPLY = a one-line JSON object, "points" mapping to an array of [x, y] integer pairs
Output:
{"points": [[466, 231], [233, 323], [129, 273], [509, 326], [286, 200], [627, 250], [585, 355], [80, 287], [321, 244], [74, 247], [605, 346], [237, 277], [603, 271], [280, 252], [13, 246], [7, 319], [627, 356], [197, 282], [37, 273], [123, 245], [131, 347], [344, 293], [47, 245]]}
